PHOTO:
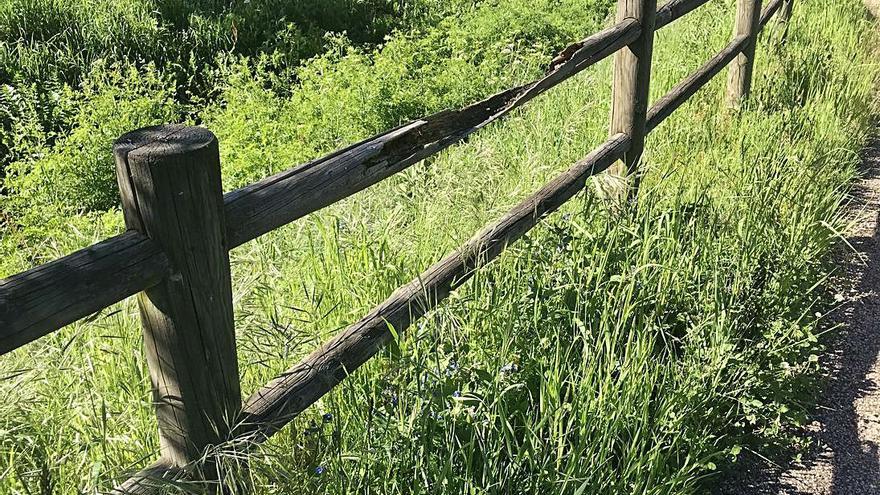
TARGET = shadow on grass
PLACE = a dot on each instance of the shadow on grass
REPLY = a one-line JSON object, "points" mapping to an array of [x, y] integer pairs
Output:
{"points": [[841, 463]]}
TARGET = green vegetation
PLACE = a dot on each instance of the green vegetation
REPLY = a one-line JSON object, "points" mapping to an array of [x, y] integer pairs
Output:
{"points": [[603, 354], [48, 47]]}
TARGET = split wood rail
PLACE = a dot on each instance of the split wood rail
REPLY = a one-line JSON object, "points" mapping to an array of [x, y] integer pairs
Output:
{"points": [[181, 228]]}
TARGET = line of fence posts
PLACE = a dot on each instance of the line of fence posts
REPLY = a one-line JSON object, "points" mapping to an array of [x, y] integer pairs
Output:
{"points": [[169, 179], [632, 81]]}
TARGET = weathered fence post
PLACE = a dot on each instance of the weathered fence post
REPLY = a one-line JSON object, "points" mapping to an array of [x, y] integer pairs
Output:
{"points": [[785, 18], [739, 81], [169, 179], [632, 79]]}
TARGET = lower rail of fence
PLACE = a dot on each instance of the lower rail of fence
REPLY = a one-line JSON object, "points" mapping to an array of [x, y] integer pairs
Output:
{"points": [[274, 405]]}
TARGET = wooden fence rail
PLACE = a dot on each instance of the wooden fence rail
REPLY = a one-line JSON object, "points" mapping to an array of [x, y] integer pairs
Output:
{"points": [[41, 300], [181, 227]]}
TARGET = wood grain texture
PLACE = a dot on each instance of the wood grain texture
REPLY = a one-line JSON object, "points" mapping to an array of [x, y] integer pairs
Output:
{"points": [[739, 81], [630, 91], [677, 96], [153, 479], [771, 9], [42, 300], [675, 9], [170, 181], [275, 404], [277, 200]]}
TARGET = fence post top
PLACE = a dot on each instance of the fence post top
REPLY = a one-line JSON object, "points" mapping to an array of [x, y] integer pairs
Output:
{"points": [[168, 140]]}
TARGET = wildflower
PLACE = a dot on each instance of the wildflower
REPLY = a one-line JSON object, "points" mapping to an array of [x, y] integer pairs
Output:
{"points": [[390, 396], [320, 470], [509, 368], [452, 368], [456, 394], [327, 417]]}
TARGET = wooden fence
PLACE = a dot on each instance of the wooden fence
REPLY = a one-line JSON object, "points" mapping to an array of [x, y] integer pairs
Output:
{"points": [[181, 228]]}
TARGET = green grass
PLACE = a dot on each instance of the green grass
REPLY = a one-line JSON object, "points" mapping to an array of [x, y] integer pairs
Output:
{"points": [[602, 354], [50, 48]]}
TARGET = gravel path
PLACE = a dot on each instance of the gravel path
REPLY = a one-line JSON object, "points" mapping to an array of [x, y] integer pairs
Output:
{"points": [[874, 7], [847, 427]]}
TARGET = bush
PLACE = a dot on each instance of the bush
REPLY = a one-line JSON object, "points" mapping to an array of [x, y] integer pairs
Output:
{"points": [[77, 174], [47, 46], [348, 93]]}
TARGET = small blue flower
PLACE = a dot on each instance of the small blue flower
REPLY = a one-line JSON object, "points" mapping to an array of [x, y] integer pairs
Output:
{"points": [[320, 470], [311, 429], [452, 368], [456, 394], [509, 368], [327, 417], [390, 396]]}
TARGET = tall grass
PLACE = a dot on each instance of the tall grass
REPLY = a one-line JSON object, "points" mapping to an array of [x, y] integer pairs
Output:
{"points": [[602, 354]]}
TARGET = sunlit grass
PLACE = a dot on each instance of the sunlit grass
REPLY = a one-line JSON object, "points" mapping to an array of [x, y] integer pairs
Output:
{"points": [[602, 354]]}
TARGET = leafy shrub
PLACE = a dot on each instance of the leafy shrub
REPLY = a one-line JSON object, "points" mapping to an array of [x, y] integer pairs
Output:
{"points": [[49, 45], [77, 174], [348, 93], [339, 97]]}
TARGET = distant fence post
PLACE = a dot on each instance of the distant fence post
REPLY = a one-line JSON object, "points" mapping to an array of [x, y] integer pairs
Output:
{"points": [[632, 78], [169, 179], [739, 81], [785, 17]]}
